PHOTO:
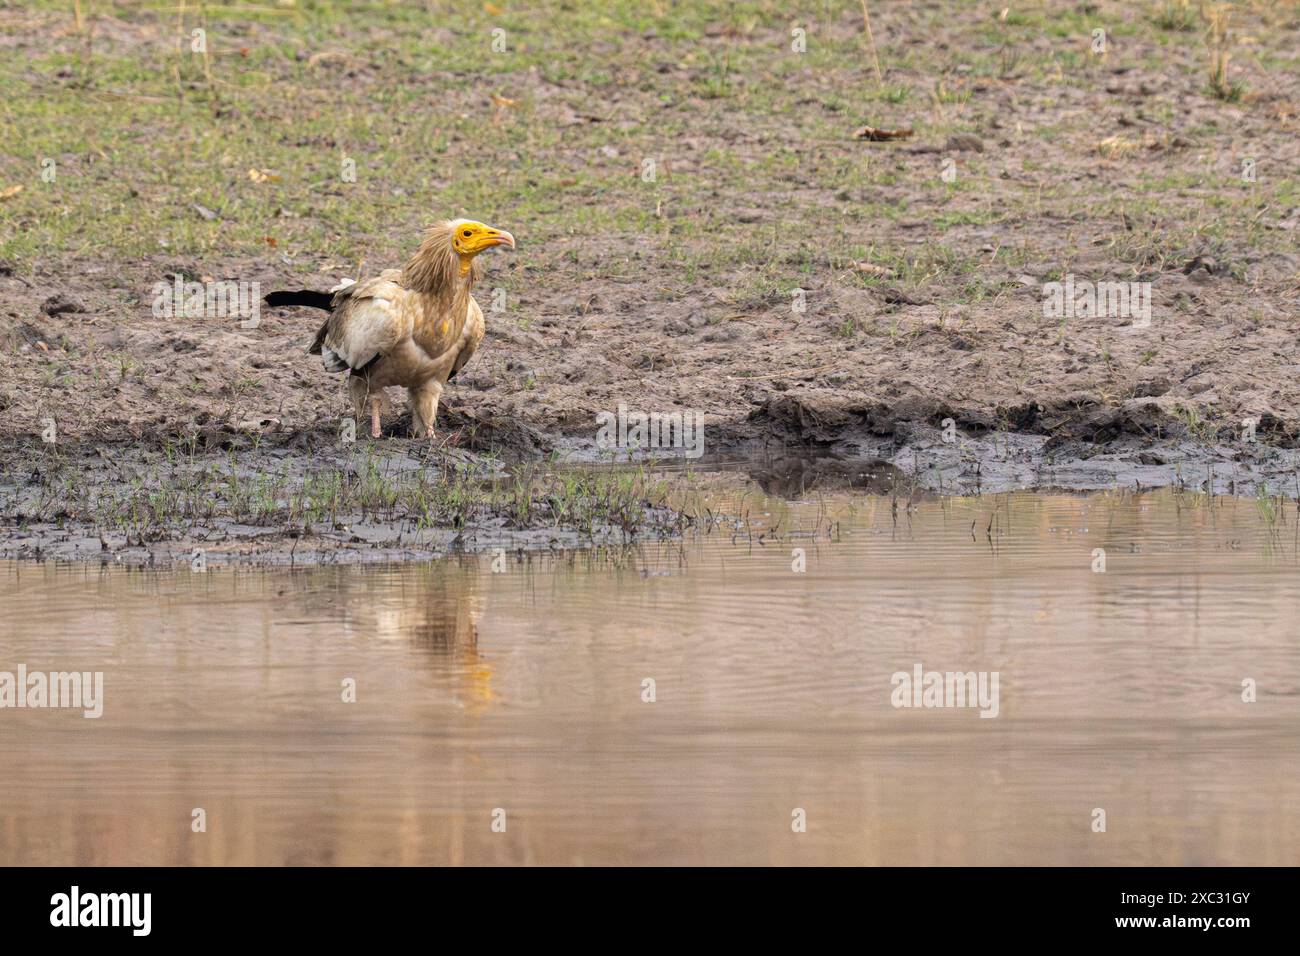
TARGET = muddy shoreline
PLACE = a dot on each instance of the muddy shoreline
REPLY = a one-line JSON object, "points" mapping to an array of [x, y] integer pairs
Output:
{"points": [[259, 496]]}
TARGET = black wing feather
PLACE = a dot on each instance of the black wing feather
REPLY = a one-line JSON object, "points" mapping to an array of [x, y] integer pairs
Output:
{"points": [[313, 300]]}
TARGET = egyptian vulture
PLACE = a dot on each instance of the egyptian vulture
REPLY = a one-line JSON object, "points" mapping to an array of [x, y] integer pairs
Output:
{"points": [[415, 327]]}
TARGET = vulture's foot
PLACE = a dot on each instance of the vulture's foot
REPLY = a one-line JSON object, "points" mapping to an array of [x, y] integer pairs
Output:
{"points": [[375, 430], [420, 430]]}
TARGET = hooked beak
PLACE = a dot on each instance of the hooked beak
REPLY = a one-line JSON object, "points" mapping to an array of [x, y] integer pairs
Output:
{"points": [[499, 237]]}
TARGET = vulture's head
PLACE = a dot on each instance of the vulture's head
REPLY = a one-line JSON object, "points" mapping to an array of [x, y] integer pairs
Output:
{"points": [[447, 254], [469, 238]]}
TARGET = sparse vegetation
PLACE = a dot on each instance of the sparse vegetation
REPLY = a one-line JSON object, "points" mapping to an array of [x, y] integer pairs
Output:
{"points": [[165, 497], [1177, 15], [1218, 17]]}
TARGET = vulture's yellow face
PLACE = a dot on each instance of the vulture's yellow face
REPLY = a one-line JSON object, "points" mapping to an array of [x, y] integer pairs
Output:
{"points": [[469, 238]]}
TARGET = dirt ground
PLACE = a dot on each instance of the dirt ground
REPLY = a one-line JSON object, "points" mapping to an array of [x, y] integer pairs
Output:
{"points": [[793, 284]]}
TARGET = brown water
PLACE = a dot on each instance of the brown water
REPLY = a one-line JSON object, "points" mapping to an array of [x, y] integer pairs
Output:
{"points": [[522, 691]]}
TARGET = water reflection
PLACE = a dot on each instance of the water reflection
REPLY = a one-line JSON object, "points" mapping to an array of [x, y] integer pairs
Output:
{"points": [[524, 689], [796, 477]]}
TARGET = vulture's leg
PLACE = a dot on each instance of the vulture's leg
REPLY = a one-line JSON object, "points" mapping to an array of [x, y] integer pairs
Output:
{"points": [[424, 408], [360, 391]]}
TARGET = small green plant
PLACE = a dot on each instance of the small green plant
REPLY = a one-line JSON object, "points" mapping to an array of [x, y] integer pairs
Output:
{"points": [[1217, 40], [717, 85], [1008, 55], [1175, 15], [1198, 429], [1268, 506]]}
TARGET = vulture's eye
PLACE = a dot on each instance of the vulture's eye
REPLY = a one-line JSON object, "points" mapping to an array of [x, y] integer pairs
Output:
{"points": [[467, 233]]}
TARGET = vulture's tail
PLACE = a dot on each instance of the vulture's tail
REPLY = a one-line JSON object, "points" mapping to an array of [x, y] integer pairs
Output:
{"points": [[313, 300]]}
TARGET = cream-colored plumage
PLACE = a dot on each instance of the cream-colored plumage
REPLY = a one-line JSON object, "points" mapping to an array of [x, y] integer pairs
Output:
{"points": [[413, 327]]}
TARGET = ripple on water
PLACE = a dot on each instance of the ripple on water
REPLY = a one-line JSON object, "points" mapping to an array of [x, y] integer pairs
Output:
{"points": [[772, 681]]}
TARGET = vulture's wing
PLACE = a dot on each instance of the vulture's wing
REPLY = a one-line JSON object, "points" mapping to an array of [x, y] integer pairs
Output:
{"points": [[370, 319], [475, 326]]}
